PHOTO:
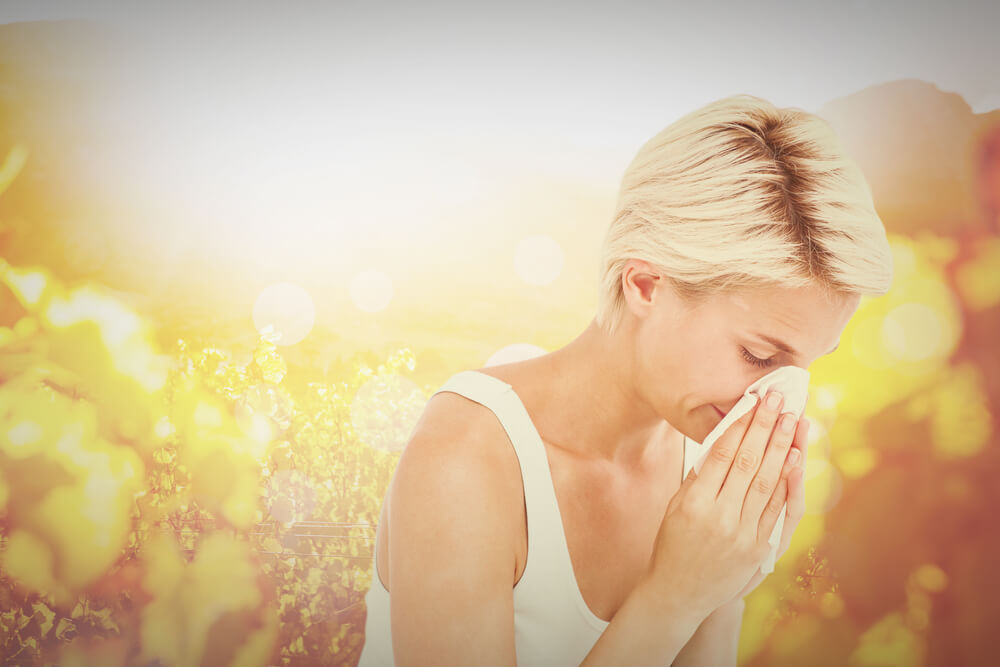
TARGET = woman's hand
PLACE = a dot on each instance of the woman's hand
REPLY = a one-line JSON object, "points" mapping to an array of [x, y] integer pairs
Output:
{"points": [[792, 487], [713, 537]]}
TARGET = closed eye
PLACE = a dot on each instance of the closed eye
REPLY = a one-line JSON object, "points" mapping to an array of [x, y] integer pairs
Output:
{"points": [[759, 363]]}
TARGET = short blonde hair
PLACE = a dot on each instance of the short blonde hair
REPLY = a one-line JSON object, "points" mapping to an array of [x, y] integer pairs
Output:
{"points": [[741, 194]]}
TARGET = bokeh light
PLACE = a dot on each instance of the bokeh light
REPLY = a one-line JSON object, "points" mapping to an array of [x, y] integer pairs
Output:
{"points": [[824, 486], [817, 440], [825, 398], [538, 260], [264, 411], [285, 309], [904, 338], [371, 291], [960, 420], [978, 278], [915, 332], [856, 462]]}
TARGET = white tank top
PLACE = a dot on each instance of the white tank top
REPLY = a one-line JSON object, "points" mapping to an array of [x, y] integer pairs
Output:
{"points": [[553, 626]]}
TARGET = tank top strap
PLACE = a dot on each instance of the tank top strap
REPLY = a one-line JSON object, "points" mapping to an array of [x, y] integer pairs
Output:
{"points": [[541, 506]]}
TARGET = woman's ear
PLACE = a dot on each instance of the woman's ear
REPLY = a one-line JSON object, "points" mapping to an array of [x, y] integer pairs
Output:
{"points": [[639, 283]]}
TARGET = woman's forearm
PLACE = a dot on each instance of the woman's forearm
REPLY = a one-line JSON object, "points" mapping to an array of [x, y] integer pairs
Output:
{"points": [[646, 630], [716, 642]]}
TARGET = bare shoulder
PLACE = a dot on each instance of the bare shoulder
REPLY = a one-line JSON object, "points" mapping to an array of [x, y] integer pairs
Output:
{"points": [[451, 548], [455, 426], [471, 438], [468, 437], [458, 466], [448, 413]]}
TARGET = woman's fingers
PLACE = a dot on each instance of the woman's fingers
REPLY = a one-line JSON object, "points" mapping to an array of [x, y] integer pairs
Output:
{"points": [[773, 468], [802, 439], [773, 509], [797, 493], [797, 451], [796, 501], [720, 457], [751, 455]]}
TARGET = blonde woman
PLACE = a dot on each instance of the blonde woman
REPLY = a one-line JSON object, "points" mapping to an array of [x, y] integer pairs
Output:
{"points": [[543, 512]]}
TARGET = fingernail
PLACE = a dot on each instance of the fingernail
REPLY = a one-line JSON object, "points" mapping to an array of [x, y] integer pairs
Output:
{"points": [[788, 422], [773, 399], [793, 456]]}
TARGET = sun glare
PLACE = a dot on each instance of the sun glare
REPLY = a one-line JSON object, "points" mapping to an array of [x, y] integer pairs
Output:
{"points": [[371, 291], [287, 309]]}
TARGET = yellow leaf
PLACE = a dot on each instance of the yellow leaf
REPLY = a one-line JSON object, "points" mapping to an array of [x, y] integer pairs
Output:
{"points": [[28, 285], [47, 615], [12, 165], [889, 642], [28, 560], [256, 651]]}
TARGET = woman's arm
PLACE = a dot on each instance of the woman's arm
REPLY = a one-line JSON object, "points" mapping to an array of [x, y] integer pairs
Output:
{"points": [[646, 630], [451, 554], [717, 639]]}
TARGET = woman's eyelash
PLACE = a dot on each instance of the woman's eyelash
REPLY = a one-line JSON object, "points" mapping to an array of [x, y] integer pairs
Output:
{"points": [[760, 363]]}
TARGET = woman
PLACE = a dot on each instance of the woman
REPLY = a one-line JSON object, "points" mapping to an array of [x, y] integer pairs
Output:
{"points": [[543, 512]]}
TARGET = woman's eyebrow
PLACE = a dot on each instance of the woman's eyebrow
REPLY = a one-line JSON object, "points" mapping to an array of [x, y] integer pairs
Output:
{"points": [[784, 347]]}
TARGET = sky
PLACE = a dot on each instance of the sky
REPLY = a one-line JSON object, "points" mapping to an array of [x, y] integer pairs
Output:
{"points": [[595, 58], [289, 130]]}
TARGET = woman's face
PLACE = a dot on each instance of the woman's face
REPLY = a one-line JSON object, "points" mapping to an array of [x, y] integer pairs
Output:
{"points": [[695, 361]]}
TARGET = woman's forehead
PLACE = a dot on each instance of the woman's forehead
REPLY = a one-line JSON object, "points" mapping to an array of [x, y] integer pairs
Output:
{"points": [[790, 310], [778, 299]]}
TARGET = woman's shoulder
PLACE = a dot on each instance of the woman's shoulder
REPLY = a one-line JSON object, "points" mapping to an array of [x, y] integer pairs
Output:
{"points": [[452, 417], [459, 451], [460, 426], [464, 436]]}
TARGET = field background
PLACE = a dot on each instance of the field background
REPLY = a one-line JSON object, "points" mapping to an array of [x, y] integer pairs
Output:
{"points": [[240, 249]]}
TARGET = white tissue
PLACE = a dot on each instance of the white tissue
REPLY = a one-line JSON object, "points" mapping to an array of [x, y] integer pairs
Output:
{"points": [[793, 383]]}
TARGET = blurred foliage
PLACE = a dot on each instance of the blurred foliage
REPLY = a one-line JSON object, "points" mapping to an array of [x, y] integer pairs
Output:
{"points": [[890, 564], [182, 508], [188, 507], [155, 508]]}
